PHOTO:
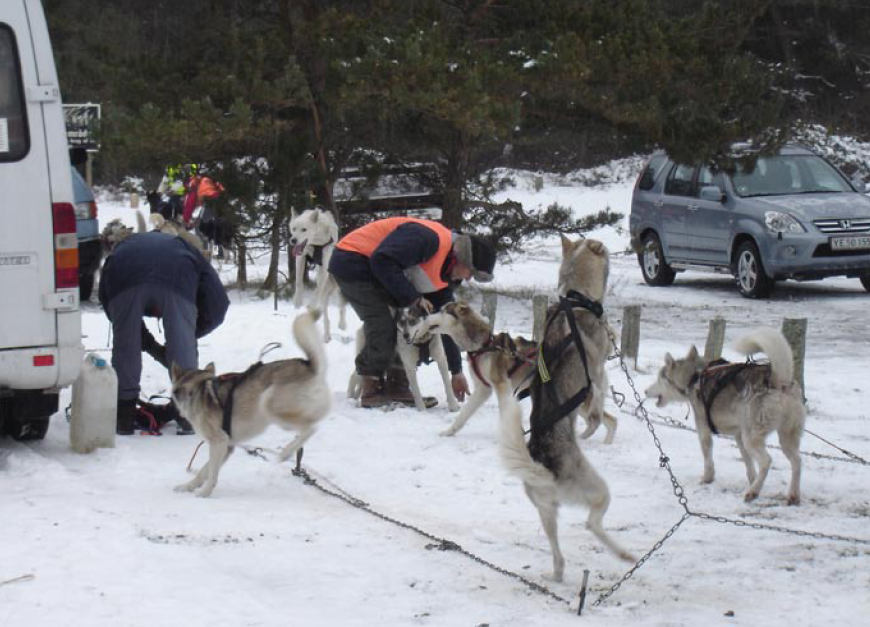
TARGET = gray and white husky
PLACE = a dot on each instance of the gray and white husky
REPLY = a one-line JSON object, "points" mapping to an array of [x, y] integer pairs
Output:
{"points": [[410, 339], [291, 393], [313, 235], [748, 401], [551, 465]]}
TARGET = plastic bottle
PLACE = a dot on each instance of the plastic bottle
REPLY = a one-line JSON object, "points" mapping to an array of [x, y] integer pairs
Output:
{"points": [[94, 406]]}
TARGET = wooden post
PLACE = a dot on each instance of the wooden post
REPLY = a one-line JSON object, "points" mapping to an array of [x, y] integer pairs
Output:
{"points": [[795, 332], [134, 200], [539, 183], [715, 339], [630, 334], [539, 308], [89, 169], [488, 307]]}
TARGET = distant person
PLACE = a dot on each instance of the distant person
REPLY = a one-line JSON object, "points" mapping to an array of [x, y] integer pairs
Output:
{"points": [[398, 262], [162, 276], [173, 187]]}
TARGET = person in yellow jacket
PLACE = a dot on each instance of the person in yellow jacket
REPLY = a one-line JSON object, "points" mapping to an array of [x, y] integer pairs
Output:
{"points": [[173, 186], [398, 262]]}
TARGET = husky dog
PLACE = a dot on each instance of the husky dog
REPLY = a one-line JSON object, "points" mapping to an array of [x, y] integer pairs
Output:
{"points": [[313, 235], [748, 401], [291, 393], [490, 356], [411, 339], [552, 467], [161, 224], [116, 232]]}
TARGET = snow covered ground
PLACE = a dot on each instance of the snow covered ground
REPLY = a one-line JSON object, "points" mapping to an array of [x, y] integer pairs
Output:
{"points": [[102, 539]]}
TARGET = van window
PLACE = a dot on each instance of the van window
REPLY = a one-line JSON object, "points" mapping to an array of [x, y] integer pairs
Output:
{"points": [[14, 139]]}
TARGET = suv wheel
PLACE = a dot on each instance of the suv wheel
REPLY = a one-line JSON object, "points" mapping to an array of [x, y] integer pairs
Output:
{"points": [[652, 262], [752, 280]]}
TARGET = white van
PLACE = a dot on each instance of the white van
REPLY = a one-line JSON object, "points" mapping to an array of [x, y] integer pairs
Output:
{"points": [[40, 322]]}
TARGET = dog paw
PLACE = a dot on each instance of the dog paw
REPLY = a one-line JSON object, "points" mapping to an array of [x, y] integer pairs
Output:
{"points": [[448, 433], [184, 487], [554, 577], [750, 496], [453, 408], [794, 500], [204, 493], [705, 480]]}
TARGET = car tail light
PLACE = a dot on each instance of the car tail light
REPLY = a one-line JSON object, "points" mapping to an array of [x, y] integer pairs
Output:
{"points": [[66, 246], [86, 210]]}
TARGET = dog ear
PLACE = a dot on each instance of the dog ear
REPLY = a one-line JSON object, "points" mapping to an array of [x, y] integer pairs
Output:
{"points": [[669, 361], [293, 213], [566, 245], [693, 353], [210, 368]]}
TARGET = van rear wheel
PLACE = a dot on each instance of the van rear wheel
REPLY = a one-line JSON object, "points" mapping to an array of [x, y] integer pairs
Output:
{"points": [[652, 262], [752, 280], [30, 429]]}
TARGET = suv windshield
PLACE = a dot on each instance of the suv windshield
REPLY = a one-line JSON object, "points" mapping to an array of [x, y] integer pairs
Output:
{"points": [[788, 174]]}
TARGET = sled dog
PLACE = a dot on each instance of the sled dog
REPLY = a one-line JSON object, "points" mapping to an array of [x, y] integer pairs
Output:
{"points": [[161, 224], [410, 341], [551, 465], [746, 400], [228, 409], [313, 235], [490, 356], [116, 232]]}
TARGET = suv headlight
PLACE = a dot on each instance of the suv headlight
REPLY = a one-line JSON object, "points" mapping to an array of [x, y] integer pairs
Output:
{"points": [[778, 222]]}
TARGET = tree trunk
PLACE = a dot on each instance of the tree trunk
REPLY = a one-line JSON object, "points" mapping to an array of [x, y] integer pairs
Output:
{"points": [[455, 178], [275, 243], [242, 272]]}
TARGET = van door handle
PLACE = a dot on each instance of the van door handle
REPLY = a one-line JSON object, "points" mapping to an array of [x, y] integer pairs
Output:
{"points": [[43, 93]]}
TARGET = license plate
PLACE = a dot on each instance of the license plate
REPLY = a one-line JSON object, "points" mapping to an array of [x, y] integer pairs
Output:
{"points": [[851, 242]]}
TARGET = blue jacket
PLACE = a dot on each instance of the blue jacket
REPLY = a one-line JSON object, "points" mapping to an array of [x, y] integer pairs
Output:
{"points": [[169, 261]]}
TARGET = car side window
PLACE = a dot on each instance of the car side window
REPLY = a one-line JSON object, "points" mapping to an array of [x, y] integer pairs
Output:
{"points": [[14, 140], [707, 177], [679, 182], [651, 172]]}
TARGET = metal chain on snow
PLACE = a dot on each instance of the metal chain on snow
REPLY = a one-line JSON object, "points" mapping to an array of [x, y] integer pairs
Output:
{"points": [[679, 492], [440, 544], [667, 421]]}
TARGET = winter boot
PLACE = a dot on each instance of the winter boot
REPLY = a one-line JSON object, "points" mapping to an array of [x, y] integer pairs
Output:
{"points": [[126, 416], [398, 390], [372, 393]]}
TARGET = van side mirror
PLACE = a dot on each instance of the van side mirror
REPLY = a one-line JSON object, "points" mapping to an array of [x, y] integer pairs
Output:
{"points": [[712, 193]]}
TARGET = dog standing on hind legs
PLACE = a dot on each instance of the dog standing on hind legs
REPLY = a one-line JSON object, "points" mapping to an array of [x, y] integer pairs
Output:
{"points": [[575, 347], [313, 235], [746, 400], [225, 410]]}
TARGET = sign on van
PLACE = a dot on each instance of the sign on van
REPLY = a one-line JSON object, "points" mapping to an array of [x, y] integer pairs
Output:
{"points": [[81, 124]]}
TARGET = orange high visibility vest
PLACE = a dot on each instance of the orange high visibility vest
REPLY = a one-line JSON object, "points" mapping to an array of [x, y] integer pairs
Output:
{"points": [[366, 239]]}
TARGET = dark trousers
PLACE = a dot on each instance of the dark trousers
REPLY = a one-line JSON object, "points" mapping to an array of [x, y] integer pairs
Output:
{"points": [[179, 324], [372, 303]]}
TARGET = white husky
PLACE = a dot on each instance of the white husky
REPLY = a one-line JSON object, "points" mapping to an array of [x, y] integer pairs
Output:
{"points": [[313, 235]]}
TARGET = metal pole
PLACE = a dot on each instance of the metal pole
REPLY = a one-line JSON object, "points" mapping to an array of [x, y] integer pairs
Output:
{"points": [[583, 592]]}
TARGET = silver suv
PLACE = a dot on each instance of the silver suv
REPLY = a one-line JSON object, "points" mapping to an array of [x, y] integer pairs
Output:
{"points": [[792, 215]]}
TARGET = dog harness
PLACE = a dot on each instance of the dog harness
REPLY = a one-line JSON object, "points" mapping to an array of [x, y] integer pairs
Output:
{"points": [[231, 381], [317, 252], [713, 379], [552, 354], [504, 343]]}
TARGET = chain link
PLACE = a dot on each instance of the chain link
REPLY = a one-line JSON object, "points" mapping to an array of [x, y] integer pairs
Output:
{"points": [[440, 544]]}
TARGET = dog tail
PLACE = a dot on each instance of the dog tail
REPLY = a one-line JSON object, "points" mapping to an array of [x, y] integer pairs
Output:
{"points": [[772, 343], [140, 223], [512, 445], [306, 335]]}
